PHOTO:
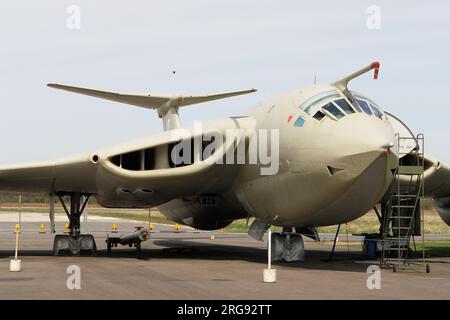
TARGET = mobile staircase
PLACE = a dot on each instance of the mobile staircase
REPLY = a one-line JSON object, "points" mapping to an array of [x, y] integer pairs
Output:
{"points": [[402, 219]]}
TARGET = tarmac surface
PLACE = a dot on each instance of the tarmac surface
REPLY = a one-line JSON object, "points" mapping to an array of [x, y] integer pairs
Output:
{"points": [[188, 265]]}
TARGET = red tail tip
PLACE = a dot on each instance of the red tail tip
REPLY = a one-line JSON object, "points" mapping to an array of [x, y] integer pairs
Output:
{"points": [[375, 65]]}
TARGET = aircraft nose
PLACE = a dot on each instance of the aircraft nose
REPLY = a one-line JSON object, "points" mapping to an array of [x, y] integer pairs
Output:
{"points": [[355, 147], [360, 157]]}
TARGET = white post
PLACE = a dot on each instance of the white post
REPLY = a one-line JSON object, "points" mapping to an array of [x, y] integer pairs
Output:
{"points": [[16, 264], [269, 275], [17, 245], [269, 251]]}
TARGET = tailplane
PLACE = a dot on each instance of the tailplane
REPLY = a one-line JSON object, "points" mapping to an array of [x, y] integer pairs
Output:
{"points": [[166, 106]]}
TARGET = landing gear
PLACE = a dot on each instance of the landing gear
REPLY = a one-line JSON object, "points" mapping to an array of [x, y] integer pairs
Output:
{"points": [[334, 244], [287, 246], [67, 245], [74, 243]]}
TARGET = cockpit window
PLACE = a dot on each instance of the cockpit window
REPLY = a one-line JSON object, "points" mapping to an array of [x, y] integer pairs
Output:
{"points": [[319, 115], [334, 105], [315, 102], [376, 111], [331, 108], [365, 102], [364, 105], [356, 105], [344, 106], [299, 122]]}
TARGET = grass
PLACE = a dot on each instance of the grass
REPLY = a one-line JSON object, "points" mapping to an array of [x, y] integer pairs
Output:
{"points": [[136, 214], [369, 224], [131, 214], [435, 248], [366, 224]]}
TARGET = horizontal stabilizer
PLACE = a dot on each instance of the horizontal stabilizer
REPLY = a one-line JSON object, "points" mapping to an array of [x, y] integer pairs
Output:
{"points": [[149, 101]]}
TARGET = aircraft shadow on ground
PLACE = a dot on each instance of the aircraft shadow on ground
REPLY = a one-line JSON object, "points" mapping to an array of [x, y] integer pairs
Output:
{"points": [[182, 249]]}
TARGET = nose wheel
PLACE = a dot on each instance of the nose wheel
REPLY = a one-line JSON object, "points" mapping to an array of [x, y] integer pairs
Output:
{"points": [[287, 246]]}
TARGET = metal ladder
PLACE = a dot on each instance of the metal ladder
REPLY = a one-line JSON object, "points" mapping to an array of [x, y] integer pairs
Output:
{"points": [[403, 217]]}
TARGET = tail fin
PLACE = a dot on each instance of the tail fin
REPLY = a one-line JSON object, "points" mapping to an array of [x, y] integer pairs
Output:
{"points": [[166, 106]]}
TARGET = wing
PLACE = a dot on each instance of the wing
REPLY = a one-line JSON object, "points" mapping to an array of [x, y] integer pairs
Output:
{"points": [[437, 186], [74, 174], [137, 174], [436, 179]]}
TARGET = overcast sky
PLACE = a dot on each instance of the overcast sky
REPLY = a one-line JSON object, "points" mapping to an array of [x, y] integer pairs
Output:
{"points": [[214, 46]]}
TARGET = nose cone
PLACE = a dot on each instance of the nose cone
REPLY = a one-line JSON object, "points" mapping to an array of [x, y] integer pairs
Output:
{"points": [[355, 145]]}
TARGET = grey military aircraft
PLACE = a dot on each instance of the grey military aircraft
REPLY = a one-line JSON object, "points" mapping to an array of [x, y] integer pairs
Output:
{"points": [[315, 156]]}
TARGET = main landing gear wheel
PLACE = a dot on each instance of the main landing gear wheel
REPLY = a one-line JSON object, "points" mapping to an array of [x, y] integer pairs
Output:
{"points": [[67, 245], [74, 243]]}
